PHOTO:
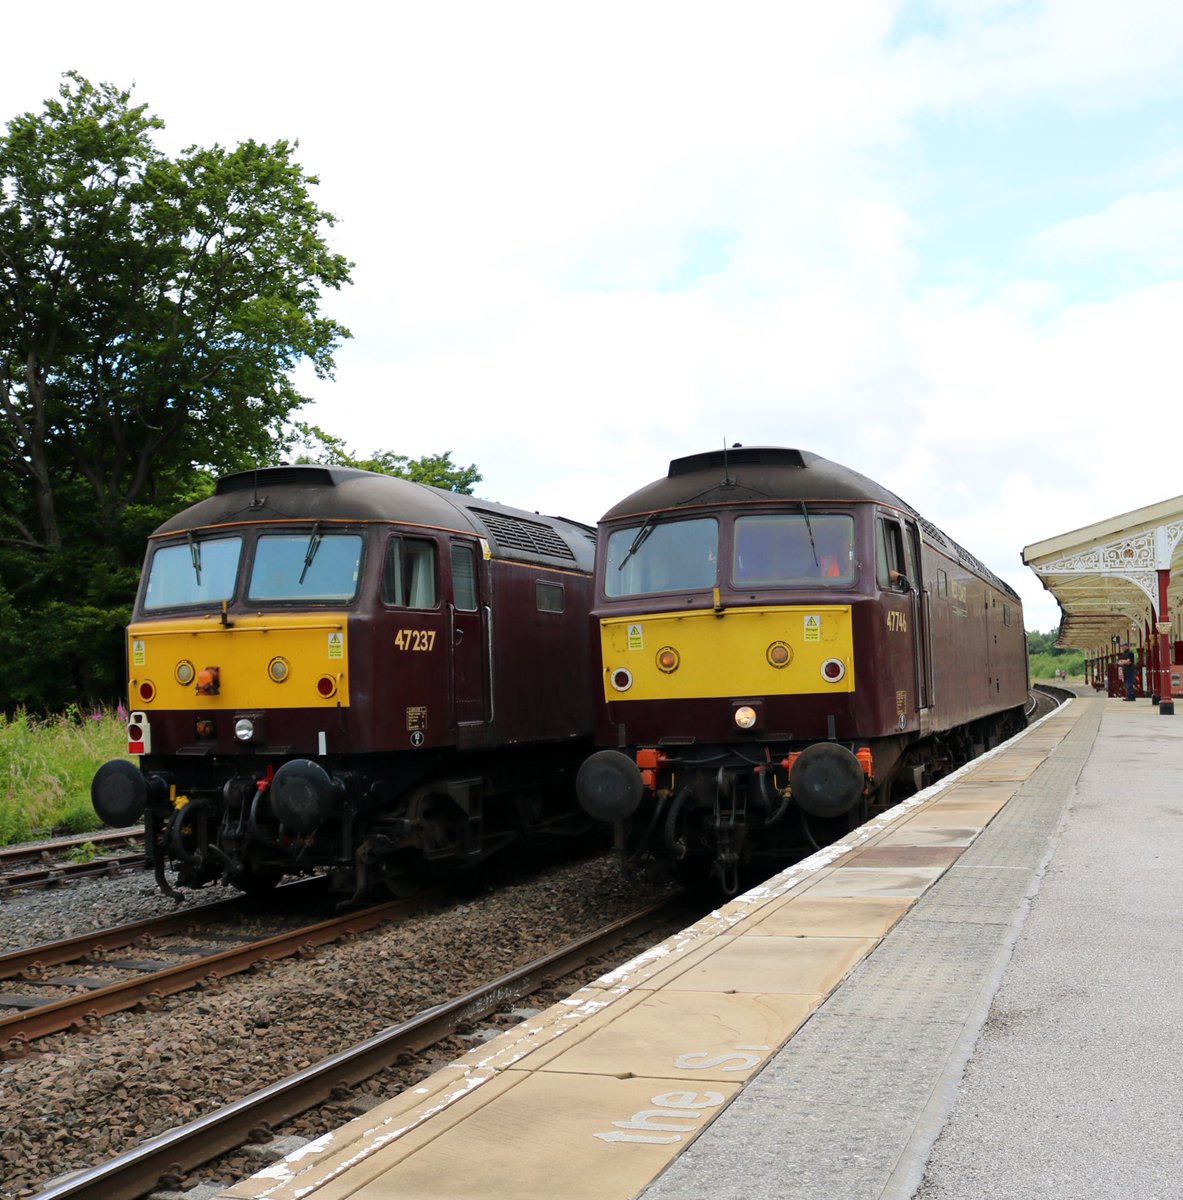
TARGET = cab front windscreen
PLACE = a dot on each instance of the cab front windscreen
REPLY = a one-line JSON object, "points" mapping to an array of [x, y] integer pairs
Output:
{"points": [[193, 573], [315, 566], [785, 549], [669, 556]]}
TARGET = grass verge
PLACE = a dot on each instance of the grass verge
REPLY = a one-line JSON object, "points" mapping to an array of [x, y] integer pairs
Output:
{"points": [[46, 767]]}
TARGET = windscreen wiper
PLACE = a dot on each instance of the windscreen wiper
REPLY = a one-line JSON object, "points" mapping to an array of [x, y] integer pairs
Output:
{"points": [[195, 555], [809, 528], [638, 541], [313, 546]]}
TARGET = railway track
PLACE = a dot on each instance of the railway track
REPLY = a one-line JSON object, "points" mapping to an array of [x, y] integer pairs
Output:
{"points": [[1043, 698], [165, 1160], [50, 863], [149, 981]]}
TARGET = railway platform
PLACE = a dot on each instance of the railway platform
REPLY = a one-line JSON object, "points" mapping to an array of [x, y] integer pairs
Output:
{"points": [[975, 995]]}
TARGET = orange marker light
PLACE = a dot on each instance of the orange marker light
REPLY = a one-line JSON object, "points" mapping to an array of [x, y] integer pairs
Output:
{"points": [[668, 660]]}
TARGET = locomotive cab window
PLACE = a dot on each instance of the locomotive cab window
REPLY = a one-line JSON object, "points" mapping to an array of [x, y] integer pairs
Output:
{"points": [[314, 566], [463, 578], [193, 572], [668, 556], [408, 579], [549, 597], [793, 548], [890, 568]]}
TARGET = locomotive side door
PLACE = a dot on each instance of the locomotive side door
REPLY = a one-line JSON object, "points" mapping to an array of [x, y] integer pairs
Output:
{"points": [[469, 620], [894, 569], [921, 622]]}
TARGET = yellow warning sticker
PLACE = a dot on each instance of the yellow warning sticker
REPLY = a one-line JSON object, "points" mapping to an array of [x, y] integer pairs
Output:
{"points": [[336, 645], [636, 637], [138, 654], [813, 628]]}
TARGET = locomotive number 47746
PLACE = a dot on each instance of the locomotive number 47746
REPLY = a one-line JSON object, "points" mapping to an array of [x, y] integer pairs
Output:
{"points": [[415, 639]]}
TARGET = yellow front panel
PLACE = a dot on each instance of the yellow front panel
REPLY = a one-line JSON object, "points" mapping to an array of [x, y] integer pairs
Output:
{"points": [[728, 654], [310, 645]]}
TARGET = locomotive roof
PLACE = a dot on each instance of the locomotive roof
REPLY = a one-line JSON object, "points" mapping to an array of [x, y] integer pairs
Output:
{"points": [[749, 474], [322, 493], [753, 473]]}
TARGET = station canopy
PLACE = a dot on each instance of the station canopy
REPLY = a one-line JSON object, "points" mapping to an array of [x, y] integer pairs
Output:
{"points": [[1105, 576]]}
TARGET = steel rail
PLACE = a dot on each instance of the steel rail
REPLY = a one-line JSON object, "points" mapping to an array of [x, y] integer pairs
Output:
{"points": [[23, 851], [170, 1156], [17, 1030], [93, 945], [62, 871]]}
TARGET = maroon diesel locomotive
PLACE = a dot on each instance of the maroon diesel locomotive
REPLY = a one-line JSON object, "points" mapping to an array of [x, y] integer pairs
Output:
{"points": [[785, 648], [346, 672]]}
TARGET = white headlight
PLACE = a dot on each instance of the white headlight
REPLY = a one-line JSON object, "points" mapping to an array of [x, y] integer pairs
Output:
{"points": [[745, 716], [244, 729]]}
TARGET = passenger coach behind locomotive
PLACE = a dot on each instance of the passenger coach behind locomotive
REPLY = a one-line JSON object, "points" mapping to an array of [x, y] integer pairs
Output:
{"points": [[785, 646], [342, 670]]}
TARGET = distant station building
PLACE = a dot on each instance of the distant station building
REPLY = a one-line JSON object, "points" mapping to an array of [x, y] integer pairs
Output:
{"points": [[1116, 581]]}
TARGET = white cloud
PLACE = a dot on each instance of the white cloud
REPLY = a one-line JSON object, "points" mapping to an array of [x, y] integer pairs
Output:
{"points": [[589, 240], [1088, 54], [1143, 229]]}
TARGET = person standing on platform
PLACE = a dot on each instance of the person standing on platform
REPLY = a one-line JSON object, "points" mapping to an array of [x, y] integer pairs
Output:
{"points": [[1129, 670]]}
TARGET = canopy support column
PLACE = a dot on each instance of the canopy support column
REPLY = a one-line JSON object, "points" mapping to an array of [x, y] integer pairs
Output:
{"points": [[1166, 705]]}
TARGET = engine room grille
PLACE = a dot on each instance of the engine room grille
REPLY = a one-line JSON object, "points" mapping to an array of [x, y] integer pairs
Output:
{"points": [[934, 534], [515, 533]]}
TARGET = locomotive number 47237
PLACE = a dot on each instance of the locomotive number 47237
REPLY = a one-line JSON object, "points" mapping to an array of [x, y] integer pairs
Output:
{"points": [[415, 639]]}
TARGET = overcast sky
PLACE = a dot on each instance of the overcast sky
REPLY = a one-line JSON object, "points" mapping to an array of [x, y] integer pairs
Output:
{"points": [[941, 243]]}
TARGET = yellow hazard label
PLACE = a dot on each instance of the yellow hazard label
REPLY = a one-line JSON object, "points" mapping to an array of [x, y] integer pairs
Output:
{"points": [[636, 637], [138, 654], [336, 645], [813, 627]]}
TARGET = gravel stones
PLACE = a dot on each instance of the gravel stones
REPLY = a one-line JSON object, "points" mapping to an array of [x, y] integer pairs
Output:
{"points": [[78, 1099]]}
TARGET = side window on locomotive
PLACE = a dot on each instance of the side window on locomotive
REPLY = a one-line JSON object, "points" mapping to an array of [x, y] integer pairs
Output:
{"points": [[889, 556], [549, 597], [408, 579], [669, 556], [464, 577], [194, 572]]}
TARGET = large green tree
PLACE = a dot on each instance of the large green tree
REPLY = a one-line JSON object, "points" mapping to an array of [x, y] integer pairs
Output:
{"points": [[152, 310], [313, 444]]}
